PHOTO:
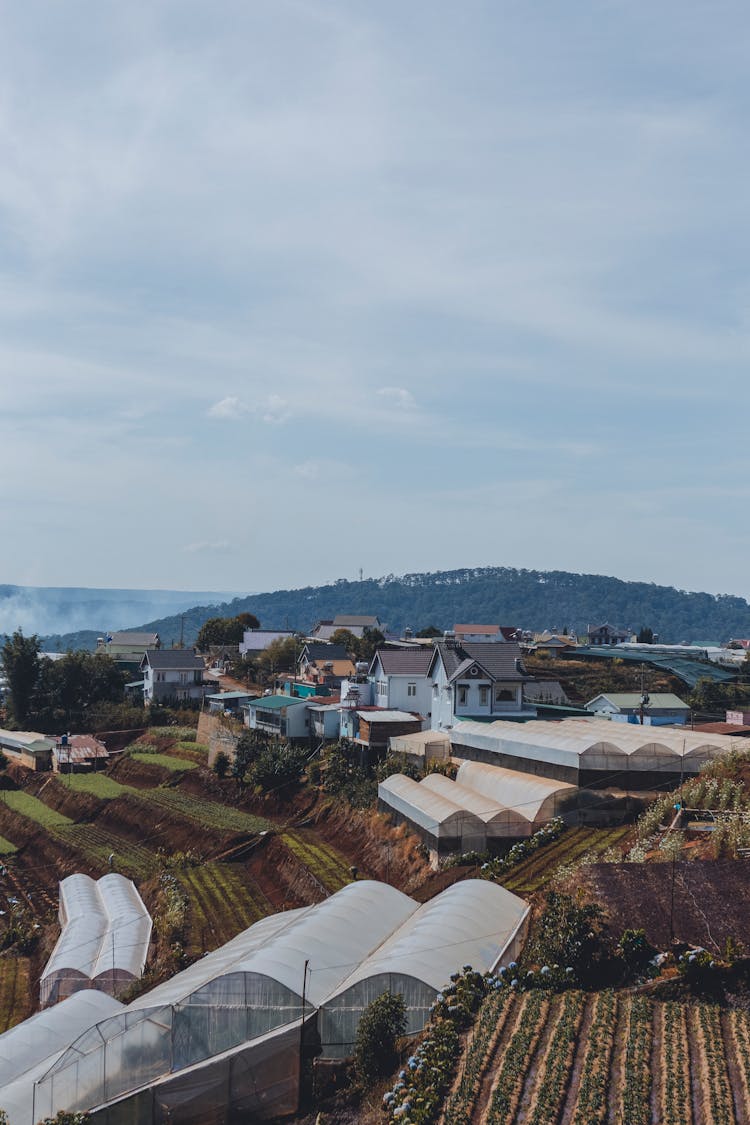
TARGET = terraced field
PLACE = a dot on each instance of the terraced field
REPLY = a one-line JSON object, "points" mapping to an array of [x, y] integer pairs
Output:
{"points": [[34, 809], [166, 761], [329, 867], [15, 999], [222, 903], [97, 844], [98, 784], [205, 813], [580, 1059], [534, 873]]}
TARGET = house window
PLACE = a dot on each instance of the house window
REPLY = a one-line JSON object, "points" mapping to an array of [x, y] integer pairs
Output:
{"points": [[463, 694], [484, 696], [504, 695], [411, 689], [183, 677]]}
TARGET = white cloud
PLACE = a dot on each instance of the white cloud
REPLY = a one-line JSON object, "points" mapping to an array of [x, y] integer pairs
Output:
{"points": [[230, 408], [276, 410], [399, 396]]}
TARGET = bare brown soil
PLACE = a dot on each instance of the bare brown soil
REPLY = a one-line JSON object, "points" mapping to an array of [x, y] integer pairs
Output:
{"points": [[711, 899]]}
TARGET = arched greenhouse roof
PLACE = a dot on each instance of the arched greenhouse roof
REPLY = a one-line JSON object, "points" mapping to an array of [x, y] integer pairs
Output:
{"points": [[428, 809], [494, 814], [533, 796]]}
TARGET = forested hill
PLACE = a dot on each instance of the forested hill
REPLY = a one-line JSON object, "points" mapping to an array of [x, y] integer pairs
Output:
{"points": [[531, 599]]}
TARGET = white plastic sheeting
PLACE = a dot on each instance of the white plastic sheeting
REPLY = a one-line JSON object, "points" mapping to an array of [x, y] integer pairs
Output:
{"points": [[474, 922], [244, 990], [500, 819], [106, 930], [432, 745], [28, 1050], [596, 744], [229, 1026], [538, 799], [440, 818]]}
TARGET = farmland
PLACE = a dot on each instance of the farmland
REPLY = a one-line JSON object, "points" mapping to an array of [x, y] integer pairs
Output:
{"points": [[26, 805], [325, 864], [6, 847], [534, 873], [166, 761], [578, 1059], [14, 991], [222, 902]]}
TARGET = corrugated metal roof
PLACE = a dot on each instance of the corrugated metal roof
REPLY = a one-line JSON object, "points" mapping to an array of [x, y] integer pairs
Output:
{"points": [[633, 699], [275, 702], [376, 716]]}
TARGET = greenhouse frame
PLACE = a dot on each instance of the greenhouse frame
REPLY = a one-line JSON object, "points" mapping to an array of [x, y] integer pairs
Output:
{"points": [[591, 753], [227, 1034], [106, 931], [442, 825]]}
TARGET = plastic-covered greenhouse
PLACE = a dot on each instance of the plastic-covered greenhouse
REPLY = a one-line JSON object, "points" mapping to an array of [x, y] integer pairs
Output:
{"points": [[474, 922], [590, 752], [537, 799], [28, 1050], [104, 941], [227, 1032], [501, 818], [443, 825]]}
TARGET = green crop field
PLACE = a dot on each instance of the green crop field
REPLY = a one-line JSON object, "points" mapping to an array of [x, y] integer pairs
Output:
{"points": [[166, 761], [15, 1002], [329, 867], [98, 844], [534, 873], [222, 903], [32, 808], [98, 784], [6, 848], [207, 814]]}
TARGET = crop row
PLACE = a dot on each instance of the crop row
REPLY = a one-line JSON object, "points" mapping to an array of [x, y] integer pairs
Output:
{"points": [[221, 904], [634, 1095], [99, 785], [98, 845], [553, 1073], [518, 1053], [740, 1033], [535, 873], [715, 1090], [591, 1102], [491, 1019], [327, 865], [206, 813], [14, 991], [676, 1101]]}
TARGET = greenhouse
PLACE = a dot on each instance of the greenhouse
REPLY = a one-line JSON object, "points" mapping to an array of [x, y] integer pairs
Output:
{"points": [[30, 1048], [590, 752], [104, 941], [537, 799], [443, 825], [474, 922], [501, 820], [228, 1031]]}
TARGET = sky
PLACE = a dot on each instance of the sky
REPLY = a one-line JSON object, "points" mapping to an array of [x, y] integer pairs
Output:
{"points": [[293, 288]]}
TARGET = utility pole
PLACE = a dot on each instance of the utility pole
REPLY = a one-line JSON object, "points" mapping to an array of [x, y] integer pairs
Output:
{"points": [[302, 1036]]}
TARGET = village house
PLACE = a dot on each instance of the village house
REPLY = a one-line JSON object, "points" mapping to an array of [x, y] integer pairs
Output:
{"points": [[476, 634], [661, 707], [353, 623], [401, 679], [597, 635], [477, 681], [174, 674], [127, 647]]}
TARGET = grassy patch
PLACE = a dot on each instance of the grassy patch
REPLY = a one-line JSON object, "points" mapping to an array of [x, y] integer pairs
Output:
{"points": [[98, 784], [14, 991], [186, 734], [32, 808], [328, 866], [6, 848], [208, 814], [166, 761]]}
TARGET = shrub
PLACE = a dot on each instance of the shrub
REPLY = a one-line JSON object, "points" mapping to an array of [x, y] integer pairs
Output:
{"points": [[221, 764], [636, 950], [383, 1022], [278, 766]]}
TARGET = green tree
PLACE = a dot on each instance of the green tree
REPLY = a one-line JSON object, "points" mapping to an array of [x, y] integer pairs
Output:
{"points": [[280, 656], [645, 635], [221, 764], [430, 631], [20, 659], [382, 1023], [371, 641], [278, 766], [347, 640], [225, 630]]}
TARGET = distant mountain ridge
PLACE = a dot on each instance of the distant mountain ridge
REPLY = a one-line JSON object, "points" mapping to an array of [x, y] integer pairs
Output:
{"points": [[532, 599]]}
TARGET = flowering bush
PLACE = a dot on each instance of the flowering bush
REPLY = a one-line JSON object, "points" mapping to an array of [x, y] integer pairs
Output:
{"points": [[522, 849]]}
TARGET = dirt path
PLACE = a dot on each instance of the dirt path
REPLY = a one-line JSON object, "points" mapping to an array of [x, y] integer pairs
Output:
{"points": [[482, 1103], [571, 1097]]}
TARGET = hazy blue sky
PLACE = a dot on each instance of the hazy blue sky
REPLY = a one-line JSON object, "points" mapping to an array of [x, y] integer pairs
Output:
{"points": [[290, 288]]}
